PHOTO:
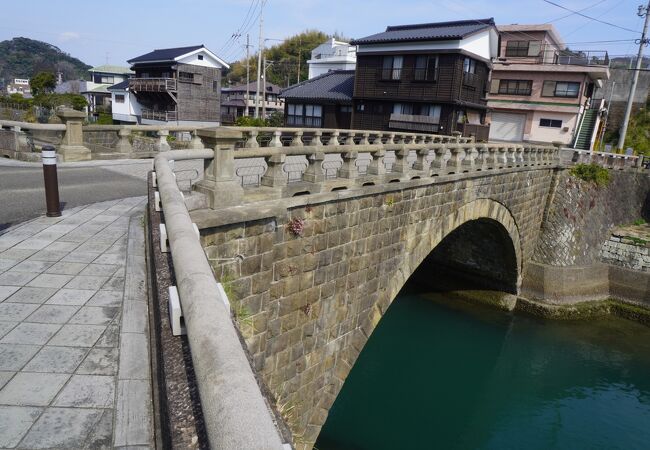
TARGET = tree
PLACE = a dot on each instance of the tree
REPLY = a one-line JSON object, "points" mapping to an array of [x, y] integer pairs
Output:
{"points": [[42, 83]]}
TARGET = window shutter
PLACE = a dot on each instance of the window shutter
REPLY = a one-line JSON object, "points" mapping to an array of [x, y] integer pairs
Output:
{"points": [[548, 90], [494, 86]]}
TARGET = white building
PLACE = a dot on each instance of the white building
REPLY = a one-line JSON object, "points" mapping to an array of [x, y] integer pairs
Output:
{"points": [[332, 55], [125, 106], [19, 86]]}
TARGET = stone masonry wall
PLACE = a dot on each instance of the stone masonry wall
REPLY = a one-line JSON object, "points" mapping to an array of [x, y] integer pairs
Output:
{"points": [[581, 215], [307, 304], [628, 252]]}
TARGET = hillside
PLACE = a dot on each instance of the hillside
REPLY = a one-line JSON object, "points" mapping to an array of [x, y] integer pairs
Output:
{"points": [[23, 58], [623, 62], [284, 70]]}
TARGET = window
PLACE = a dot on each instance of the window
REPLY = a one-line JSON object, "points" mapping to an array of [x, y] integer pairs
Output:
{"points": [[361, 107], [523, 48], [346, 109], [119, 98], [185, 76], [469, 65], [560, 89], [418, 110], [200, 57], [107, 79], [426, 68], [392, 67], [402, 108], [304, 115], [515, 87], [431, 111], [551, 123], [215, 85]]}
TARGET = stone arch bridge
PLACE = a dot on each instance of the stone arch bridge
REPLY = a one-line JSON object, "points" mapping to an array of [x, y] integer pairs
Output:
{"points": [[312, 265]]}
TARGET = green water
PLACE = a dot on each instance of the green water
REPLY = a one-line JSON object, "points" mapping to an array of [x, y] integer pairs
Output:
{"points": [[436, 377]]}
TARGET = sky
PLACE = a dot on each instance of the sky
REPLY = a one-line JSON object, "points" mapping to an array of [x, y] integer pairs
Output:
{"points": [[113, 32]]}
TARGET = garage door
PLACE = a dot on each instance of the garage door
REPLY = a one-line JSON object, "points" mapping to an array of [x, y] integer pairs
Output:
{"points": [[507, 127]]}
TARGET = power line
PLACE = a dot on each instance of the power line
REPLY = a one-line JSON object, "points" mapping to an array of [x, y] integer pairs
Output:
{"points": [[580, 10], [591, 18]]}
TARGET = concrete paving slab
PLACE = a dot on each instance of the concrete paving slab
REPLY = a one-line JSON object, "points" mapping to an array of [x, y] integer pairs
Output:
{"points": [[114, 284], [87, 391], [86, 282], [11, 278], [82, 257], [100, 361], [14, 357], [110, 338], [6, 291], [133, 422], [30, 333], [16, 311], [103, 270], [6, 264], [14, 423], [51, 359], [106, 298], [32, 266], [117, 257], [34, 295], [5, 377], [71, 297], [16, 254], [62, 428], [6, 327], [50, 280], [134, 362], [48, 255], [78, 335], [52, 314], [102, 435], [94, 315], [66, 268], [32, 389]]}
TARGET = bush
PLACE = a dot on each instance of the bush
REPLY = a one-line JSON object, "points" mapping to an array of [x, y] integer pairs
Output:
{"points": [[247, 121], [591, 173]]}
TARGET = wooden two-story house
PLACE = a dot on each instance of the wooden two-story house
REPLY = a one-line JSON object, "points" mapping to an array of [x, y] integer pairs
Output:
{"points": [[429, 77], [178, 85]]}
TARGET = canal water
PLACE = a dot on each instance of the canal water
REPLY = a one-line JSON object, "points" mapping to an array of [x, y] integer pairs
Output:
{"points": [[438, 374]]}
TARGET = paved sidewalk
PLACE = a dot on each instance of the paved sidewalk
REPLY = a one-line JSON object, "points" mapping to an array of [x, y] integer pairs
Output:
{"points": [[74, 361]]}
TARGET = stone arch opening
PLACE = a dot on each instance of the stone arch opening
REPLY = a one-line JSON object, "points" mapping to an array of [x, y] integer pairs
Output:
{"points": [[479, 254]]}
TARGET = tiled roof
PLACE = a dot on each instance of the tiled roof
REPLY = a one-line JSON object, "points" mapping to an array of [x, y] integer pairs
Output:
{"points": [[252, 87], [337, 85], [112, 69], [164, 54], [119, 86], [427, 31]]}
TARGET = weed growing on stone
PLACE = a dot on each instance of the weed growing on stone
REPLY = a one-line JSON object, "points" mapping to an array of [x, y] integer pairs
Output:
{"points": [[296, 226], [592, 173], [390, 201], [639, 222]]}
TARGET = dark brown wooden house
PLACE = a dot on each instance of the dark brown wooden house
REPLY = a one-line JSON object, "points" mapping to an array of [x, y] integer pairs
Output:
{"points": [[321, 102], [426, 78], [179, 85]]}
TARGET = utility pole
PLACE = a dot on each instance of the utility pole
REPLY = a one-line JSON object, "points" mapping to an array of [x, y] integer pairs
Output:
{"points": [[259, 60], [248, 69], [264, 89], [643, 11], [299, 55]]}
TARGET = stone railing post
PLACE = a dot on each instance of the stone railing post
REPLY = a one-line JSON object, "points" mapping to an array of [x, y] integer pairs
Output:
{"points": [[275, 175], [457, 155], [349, 167], [526, 155], [251, 140], [196, 142], [442, 156], [510, 156], [519, 156], [401, 164], [220, 184], [481, 162], [492, 156], [317, 141], [456, 136], [72, 145], [163, 145], [21, 141], [468, 163], [276, 141], [334, 138], [364, 140], [349, 140], [421, 162], [377, 165], [296, 140], [314, 172], [124, 142], [502, 159]]}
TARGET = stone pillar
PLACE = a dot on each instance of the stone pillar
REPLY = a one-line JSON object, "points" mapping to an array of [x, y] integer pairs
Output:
{"points": [[72, 145], [163, 145], [220, 184], [275, 175], [123, 143], [377, 166], [349, 167], [314, 172], [196, 142]]}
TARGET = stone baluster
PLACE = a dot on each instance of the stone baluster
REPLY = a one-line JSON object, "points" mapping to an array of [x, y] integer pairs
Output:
{"points": [[469, 159], [440, 162], [296, 141], [364, 139], [317, 141], [391, 138], [428, 139], [421, 162], [334, 138], [510, 156], [399, 139], [519, 156], [438, 140], [349, 166], [275, 175], [21, 142], [251, 141], [276, 141], [314, 172], [349, 140], [401, 164], [377, 139], [163, 145], [196, 141], [124, 142], [377, 165], [526, 155], [456, 136], [481, 158], [455, 164], [502, 159], [492, 156]]}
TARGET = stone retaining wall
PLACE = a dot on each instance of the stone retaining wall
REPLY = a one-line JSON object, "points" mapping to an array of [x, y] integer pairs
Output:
{"points": [[627, 252]]}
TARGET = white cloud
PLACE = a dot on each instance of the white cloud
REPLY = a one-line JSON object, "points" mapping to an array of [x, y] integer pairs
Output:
{"points": [[69, 36]]}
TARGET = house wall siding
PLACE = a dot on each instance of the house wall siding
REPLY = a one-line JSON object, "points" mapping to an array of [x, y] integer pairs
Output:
{"points": [[199, 101]]}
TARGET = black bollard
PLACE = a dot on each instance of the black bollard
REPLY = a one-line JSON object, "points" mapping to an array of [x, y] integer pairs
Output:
{"points": [[51, 181]]}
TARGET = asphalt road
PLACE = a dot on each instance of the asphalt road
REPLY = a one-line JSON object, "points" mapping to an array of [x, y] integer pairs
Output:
{"points": [[22, 195]]}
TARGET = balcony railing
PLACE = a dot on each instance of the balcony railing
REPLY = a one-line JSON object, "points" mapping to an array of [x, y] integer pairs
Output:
{"points": [[563, 57], [479, 132], [152, 84], [165, 116], [411, 122]]}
